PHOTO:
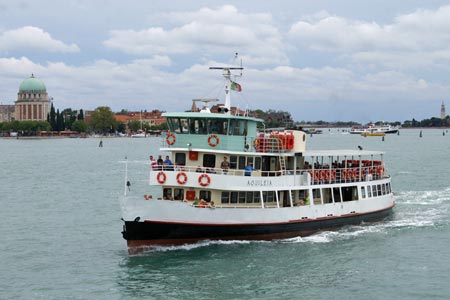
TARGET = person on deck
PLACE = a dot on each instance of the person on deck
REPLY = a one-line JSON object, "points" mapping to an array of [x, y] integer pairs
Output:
{"points": [[153, 162], [248, 169], [225, 165], [168, 163]]}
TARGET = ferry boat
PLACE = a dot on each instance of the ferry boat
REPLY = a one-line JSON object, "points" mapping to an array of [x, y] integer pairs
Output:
{"points": [[229, 179], [375, 130]]}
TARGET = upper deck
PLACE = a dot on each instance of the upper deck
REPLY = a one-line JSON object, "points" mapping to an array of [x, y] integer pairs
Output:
{"points": [[224, 132]]}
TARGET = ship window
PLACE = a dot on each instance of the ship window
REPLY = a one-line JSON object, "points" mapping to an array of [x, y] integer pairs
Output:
{"points": [[233, 162], [269, 196], [178, 194], [257, 197], [197, 126], [327, 198], [234, 197], [383, 189], [257, 164], [337, 194], [363, 192], [349, 193], [205, 195], [379, 190], [238, 127], [167, 193], [369, 192], [209, 160], [374, 190], [225, 198], [241, 165], [388, 188], [217, 126], [316, 196], [249, 197], [241, 197], [180, 159]]}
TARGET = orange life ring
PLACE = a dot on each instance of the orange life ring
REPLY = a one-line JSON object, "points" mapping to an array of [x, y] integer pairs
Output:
{"points": [[171, 139], [349, 174], [161, 177], [333, 174], [322, 175], [343, 174], [380, 170], [202, 182], [181, 177], [215, 142], [316, 175], [327, 175], [355, 173]]}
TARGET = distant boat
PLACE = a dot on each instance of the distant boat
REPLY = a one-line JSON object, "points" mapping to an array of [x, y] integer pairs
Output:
{"points": [[372, 128], [139, 134], [312, 131]]}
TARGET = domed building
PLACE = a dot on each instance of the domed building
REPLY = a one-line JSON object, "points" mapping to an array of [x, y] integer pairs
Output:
{"points": [[32, 101]]}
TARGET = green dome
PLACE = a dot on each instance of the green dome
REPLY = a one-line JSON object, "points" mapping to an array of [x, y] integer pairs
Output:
{"points": [[32, 84]]}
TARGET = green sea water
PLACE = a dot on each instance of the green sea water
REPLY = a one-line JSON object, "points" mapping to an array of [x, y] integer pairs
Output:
{"points": [[60, 231]]}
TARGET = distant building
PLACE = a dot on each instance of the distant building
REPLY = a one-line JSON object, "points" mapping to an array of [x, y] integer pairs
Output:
{"points": [[6, 113], [443, 114], [152, 118], [32, 101]]}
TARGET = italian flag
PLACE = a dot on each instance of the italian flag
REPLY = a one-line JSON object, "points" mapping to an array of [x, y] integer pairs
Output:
{"points": [[236, 86]]}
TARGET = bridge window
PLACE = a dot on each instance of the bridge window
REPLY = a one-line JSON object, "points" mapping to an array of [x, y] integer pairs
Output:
{"points": [[209, 160]]}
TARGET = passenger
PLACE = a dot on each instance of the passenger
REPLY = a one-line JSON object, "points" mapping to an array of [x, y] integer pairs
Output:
{"points": [[248, 169], [199, 170], [160, 163], [153, 162], [168, 163], [211, 204], [225, 165], [307, 198]]}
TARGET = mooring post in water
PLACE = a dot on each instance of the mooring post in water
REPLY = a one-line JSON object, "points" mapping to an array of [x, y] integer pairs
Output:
{"points": [[126, 178]]}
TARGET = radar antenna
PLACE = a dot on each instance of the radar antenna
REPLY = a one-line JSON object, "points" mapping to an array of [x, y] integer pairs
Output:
{"points": [[205, 106]]}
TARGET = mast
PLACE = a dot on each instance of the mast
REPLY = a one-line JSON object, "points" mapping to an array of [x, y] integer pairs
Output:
{"points": [[227, 74]]}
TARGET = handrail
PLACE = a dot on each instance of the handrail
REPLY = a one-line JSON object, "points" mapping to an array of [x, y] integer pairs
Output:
{"points": [[317, 175]]}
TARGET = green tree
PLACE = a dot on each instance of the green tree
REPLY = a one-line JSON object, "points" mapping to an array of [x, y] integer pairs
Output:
{"points": [[52, 118], [81, 115], [103, 120], [79, 126], [134, 125]]}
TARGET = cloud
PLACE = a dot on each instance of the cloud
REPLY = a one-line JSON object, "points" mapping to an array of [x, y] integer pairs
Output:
{"points": [[213, 31], [32, 38], [309, 93]]}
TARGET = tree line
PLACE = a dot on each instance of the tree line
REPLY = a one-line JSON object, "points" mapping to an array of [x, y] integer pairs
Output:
{"points": [[102, 121]]}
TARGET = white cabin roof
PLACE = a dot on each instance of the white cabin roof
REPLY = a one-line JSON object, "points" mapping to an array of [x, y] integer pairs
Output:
{"points": [[348, 152]]}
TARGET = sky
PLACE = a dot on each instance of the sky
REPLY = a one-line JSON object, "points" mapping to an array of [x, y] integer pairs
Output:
{"points": [[346, 60]]}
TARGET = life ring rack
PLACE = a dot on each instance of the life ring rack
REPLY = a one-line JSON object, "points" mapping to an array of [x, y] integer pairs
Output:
{"points": [[182, 177], [201, 180], [161, 177], [171, 139], [213, 140]]}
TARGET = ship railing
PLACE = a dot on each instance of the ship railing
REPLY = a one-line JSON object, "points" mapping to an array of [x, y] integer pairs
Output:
{"points": [[270, 144], [219, 171], [318, 175], [345, 175]]}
